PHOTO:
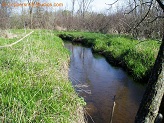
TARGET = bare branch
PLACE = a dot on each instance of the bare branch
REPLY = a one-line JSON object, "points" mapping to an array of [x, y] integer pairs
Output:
{"points": [[144, 16], [160, 4], [156, 18], [132, 10], [150, 2], [112, 3]]}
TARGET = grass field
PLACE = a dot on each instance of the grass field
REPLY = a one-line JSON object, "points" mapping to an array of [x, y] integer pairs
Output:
{"points": [[34, 85], [137, 57]]}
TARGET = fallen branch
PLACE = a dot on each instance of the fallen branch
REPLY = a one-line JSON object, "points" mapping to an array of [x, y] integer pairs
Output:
{"points": [[89, 115], [10, 45], [114, 104]]}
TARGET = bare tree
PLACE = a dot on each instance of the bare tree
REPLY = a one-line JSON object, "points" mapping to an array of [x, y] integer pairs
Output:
{"points": [[5, 12], [83, 8], [73, 7], [31, 7]]}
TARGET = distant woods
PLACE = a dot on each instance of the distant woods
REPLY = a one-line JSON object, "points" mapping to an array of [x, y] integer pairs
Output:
{"points": [[125, 19]]}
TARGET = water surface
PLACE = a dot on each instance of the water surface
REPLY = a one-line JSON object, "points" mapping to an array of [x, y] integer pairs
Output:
{"points": [[98, 82]]}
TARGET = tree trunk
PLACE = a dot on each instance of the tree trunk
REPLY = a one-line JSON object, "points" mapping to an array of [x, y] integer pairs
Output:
{"points": [[152, 98], [31, 18]]}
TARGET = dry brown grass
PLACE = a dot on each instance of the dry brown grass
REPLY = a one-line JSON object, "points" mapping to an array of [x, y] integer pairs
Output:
{"points": [[7, 34]]}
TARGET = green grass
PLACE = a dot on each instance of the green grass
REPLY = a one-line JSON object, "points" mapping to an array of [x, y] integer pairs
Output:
{"points": [[34, 85], [137, 57]]}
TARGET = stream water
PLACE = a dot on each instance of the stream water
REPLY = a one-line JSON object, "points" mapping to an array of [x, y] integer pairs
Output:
{"points": [[98, 82]]}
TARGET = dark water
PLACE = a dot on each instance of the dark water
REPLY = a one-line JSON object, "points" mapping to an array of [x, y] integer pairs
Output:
{"points": [[98, 82]]}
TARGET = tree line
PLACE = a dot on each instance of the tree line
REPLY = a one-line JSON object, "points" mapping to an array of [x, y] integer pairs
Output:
{"points": [[140, 18], [124, 20]]}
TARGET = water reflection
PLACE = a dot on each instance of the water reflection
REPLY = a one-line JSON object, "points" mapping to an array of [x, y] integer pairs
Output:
{"points": [[104, 81]]}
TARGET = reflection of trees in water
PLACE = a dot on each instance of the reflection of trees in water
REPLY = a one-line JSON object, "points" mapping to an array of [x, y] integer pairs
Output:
{"points": [[86, 59], [86, 70], [79, 74]]}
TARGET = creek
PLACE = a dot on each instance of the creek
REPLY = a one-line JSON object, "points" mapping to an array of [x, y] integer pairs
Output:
{"points": [[98, 82]]}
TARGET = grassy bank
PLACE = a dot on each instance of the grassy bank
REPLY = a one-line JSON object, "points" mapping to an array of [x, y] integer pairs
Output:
{"points": [[34, 85], [136, 57]]}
